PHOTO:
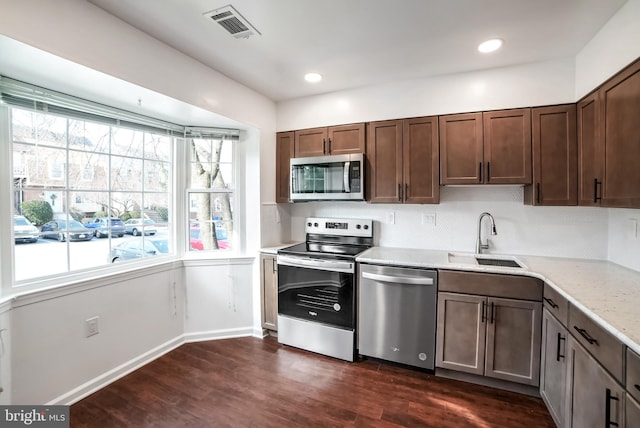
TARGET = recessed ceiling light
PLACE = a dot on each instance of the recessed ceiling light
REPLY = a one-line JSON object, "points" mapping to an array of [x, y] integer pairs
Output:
{"points": [[490, 45], [313, 77]]}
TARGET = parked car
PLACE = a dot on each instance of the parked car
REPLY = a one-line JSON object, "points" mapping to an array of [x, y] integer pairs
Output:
{"points": [[60, 230], [102, 226], [23, 230], [138, 248], [139, 226], [195, 240]]}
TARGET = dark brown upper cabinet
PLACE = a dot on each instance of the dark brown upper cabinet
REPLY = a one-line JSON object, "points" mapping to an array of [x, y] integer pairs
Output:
{"points": [[332, 140], [486, 148], [555, 157], [284, 152], [507, 146], [609, 142], [589, 150], [402, 161], [461, 149]]}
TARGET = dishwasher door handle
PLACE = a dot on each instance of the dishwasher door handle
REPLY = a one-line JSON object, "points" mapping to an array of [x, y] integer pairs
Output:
{"points": [[397, 279]]}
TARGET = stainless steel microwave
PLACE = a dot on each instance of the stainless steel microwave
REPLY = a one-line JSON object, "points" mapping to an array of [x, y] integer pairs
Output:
{"points": [[327, 178]]}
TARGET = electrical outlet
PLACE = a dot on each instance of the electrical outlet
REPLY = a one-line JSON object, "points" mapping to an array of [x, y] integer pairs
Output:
{"points": [[429, 218], [391, 217], [91, 326]]}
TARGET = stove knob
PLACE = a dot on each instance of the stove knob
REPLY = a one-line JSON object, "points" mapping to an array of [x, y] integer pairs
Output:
{"points": [[315, 224], [358, 226], [309, 224], [366, 226]]}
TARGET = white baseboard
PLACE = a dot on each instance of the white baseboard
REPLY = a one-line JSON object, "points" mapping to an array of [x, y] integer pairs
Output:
{"points": [[219, 334], [111, 376]]}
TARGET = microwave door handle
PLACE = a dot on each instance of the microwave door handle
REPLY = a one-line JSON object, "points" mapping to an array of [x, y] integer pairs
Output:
{"points": [[347, 187]]}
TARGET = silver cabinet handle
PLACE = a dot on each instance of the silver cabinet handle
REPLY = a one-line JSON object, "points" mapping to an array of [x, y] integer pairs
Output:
{"points": [[398, 279]]}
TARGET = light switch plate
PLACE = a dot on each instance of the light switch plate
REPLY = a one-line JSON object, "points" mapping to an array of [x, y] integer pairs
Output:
{"points": [[391, 217], [429, 219], [632, 228]]}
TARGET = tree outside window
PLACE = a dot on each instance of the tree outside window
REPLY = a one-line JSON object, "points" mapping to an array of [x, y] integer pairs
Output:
{"points": [[211, 194]]}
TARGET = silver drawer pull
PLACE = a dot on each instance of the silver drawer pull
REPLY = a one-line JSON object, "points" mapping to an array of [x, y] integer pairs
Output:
{"points": [[586, 335]]}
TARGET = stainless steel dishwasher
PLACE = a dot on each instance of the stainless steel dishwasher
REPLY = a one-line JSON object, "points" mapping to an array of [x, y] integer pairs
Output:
{"points": [[397, 314]]}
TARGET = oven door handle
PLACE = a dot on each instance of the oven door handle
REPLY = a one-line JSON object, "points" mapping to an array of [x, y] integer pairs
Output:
{"points": [[330, 265], [397, 279]]}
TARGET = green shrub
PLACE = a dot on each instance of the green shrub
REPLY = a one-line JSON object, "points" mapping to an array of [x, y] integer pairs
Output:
{"points": [[37, 212]]}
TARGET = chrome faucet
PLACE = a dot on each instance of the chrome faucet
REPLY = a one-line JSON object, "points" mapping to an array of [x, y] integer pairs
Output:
{"points": [[479, 245]]}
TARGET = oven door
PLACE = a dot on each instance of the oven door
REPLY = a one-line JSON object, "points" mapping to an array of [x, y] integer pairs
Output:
{"points": [[318, 290]]}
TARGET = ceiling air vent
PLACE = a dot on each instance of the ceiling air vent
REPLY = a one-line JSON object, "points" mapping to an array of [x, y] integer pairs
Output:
{"points": [[231, 20]]}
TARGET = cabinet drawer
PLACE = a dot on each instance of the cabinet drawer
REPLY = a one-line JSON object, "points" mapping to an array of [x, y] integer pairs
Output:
{"points": [[601, 344], [490, 284], [556, 304], [633, 374]]}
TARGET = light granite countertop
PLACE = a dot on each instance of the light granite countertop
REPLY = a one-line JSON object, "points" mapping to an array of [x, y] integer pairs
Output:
{"points": [[605, 291]]}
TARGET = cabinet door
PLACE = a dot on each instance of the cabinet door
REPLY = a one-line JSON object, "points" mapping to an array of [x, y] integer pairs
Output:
{"points": [[553, 370], [513, 340], [461, 156], [594, 398], [632, 409], [284, 152], [620, 112], [507, 146], [555, 157], [590, 151], [460, 335], [384, 161], [345, 139], [420, 161], [310, 142], [269, 292]]}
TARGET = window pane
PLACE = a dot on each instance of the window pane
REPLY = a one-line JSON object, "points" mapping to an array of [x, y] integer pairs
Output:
{"points": [[38, 128], [88, 137], [127, 142], [156, 176], [126, 173], [88, 170], [211, 221], [157, 147]]}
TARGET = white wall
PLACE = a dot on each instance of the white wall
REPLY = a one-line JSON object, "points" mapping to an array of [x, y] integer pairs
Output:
{"points": [[219, 300], [616, 45], [140, 316], [521, 86]]}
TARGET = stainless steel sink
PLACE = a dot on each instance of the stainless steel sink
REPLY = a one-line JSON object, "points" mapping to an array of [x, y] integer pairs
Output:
{"points": [[485, 260], [497, 262]]}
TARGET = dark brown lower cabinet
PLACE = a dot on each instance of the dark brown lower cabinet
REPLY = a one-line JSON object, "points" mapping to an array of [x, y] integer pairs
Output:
{"points": [[490, 336], [553, 366], [632, 408], [594, 397]]}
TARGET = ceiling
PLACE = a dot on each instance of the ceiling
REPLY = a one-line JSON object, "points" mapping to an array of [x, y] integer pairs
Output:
{"points": [[355, 43]]}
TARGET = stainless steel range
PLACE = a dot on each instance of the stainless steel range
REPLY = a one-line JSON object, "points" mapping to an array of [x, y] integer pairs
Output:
{"points": [[317, 286]]}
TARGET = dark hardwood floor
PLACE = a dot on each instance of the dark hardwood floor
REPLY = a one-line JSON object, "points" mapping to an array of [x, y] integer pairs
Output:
{"points": [[250, 382]]}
